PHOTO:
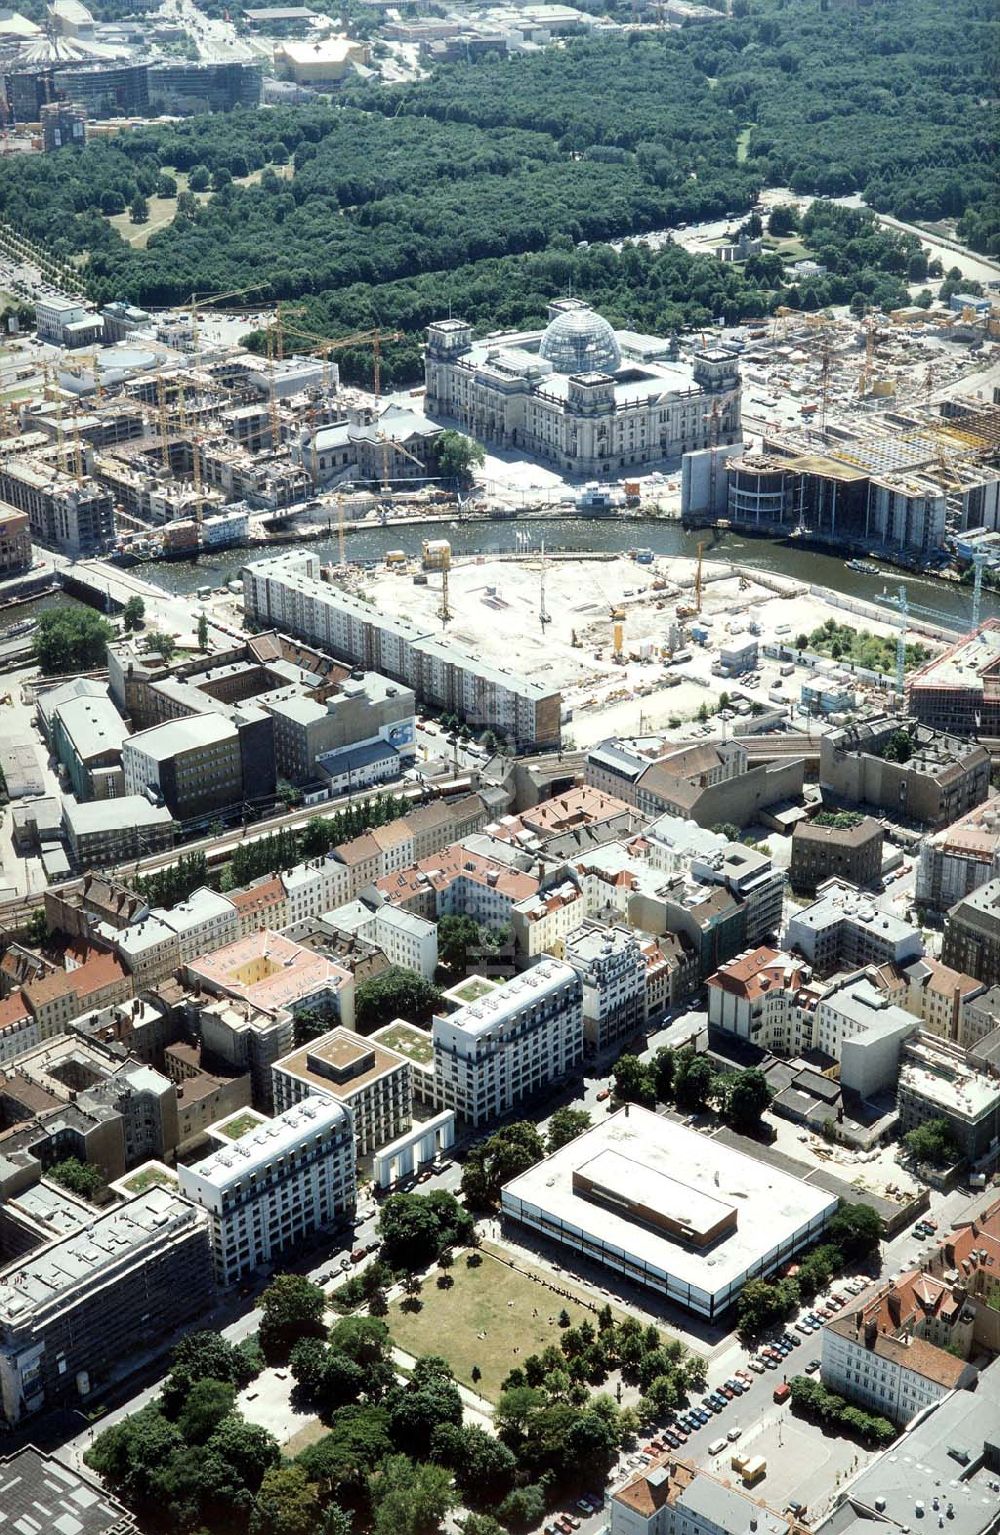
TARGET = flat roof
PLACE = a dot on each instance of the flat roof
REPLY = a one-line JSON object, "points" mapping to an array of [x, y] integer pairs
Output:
{"points": [[340, 1063], [99, 815], [53, 1272], [42, 1496], [263, 1144], [772, 1207], [163, 741]]}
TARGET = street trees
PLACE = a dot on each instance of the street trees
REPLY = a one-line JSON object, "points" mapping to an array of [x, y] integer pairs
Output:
{"points": [[417, 1228], [564, 1126], [745, 1096], [500, 1157], [293, 1308], [70, 640], [457, 456], [634, 1081], [133, 613]]}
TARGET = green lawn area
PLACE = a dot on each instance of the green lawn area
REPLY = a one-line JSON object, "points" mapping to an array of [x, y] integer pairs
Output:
{"points": [[491, 1299], [147, 1178], [475, 987], [162, 209], [742, 145], [240, 1124], [409, 1041]]}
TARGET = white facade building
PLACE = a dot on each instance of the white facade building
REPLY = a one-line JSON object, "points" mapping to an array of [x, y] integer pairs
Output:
{"points": [[268, 1189], [612, 969], [492, 1054], [581, 395], [204, 922], [844, 928], [315, 887], [405, 939], [858, 1026]]}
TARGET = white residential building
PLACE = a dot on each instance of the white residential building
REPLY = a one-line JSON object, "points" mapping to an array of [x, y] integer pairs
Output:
{"points": [[404, 938], [891, 1352], [612, 967], [675, 1497], [150, 949], [844, 928], [766, 997], [204, 922], [858, 1026], [266, 1190], [674, 841], [315, 887], [374, 1082], [492, 1054], [543, 921]]}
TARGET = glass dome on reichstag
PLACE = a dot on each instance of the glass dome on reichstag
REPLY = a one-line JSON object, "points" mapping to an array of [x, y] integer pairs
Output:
{"points": [[580, 341]]}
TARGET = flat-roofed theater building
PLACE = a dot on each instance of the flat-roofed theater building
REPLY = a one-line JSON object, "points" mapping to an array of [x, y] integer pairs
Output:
{"points": [[670, 1209]]}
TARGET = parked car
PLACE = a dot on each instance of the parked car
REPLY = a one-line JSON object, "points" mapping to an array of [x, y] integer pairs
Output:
{"points": [[812, 1366], [733, 1435]]}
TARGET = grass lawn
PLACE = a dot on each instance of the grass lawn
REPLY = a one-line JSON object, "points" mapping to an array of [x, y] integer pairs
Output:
{"points": [[149, 1178], [742, 145], [409, 1041], [312, 1433], [240, 1124], [493, 1299]]}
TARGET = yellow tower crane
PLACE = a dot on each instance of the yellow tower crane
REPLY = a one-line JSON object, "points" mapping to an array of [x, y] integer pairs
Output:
{"points": [[161, 411], [698, 580], [212, 298]]}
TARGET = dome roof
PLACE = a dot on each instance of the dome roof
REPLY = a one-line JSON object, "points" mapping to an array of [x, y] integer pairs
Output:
{"points": [[580, 341]]}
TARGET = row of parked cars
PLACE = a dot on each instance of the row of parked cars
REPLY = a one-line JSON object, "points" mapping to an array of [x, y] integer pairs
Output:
{"points": [[770, 1355], [563, 1524]]}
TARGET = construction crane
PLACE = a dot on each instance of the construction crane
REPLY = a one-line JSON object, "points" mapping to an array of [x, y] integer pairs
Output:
{"points": [[340, 530], [214, 298], [901, 603], [77, 447], [161, 411], [698, 580], [444, 611], [865, 377], [324, 345], [544, 617], [978, 561]]}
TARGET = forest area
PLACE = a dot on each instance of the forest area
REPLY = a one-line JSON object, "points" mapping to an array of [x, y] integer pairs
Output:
{"points": [[492, 186]]}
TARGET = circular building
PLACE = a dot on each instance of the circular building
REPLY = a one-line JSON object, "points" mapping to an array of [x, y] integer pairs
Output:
{"points": [[580, 341]]}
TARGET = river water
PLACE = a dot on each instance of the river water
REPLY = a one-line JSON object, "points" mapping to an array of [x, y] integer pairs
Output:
{"points": [[929, 597]]}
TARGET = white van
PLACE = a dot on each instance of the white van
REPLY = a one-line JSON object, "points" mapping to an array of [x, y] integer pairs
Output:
{"points": [[717, 1446]]}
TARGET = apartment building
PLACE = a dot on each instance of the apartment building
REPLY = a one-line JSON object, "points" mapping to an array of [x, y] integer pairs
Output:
{"points": [[544, 921], [751, 878], [263, 903], [241, 1038], [890, 1352], [459, 882], [972, 934], [195, 764], [374, 1082], [613, 972], [844, 929], [149, 949], [859, 1027], [16, 553], [145, 1263], [939, 996], [315, 887], [906, 768], [850, 853], [204, 922], [77, 519], [272, 974], [287, 593], [61, 995], [492, 1054], [266, 1190], [936, 1081], [959, 858], [102, 833], [767, 997], [404, 938]]}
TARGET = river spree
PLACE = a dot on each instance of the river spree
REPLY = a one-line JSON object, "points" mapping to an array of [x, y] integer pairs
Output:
{"points": [[928, 597]]}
